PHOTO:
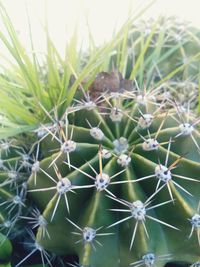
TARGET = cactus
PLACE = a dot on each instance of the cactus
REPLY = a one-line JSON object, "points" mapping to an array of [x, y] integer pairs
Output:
{"points": [[114, 181], [109, 179], [170, 32]]}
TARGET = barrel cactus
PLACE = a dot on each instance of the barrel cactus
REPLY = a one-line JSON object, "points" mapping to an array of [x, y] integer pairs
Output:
{"points": [[114, 180], [173, 37], [109, 179]]}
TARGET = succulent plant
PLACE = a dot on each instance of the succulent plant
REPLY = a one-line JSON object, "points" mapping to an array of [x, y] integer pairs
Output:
{"points": [[104, 168], [114, 180], [171, 36]]}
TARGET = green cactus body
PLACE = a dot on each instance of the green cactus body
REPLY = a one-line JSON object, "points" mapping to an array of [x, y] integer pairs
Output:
{"points": [[115, 189]]}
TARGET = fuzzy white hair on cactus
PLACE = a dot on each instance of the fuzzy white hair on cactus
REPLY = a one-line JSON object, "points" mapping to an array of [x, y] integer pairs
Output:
{"points": [[120, 145], [106, 154], [89, 234], [96, 133], [150, 144], [116, 114], [68, 146], [186, 128], [102, 181], [123, 160], [195, 222], [145, 121], [138, 210], [163, 173]]}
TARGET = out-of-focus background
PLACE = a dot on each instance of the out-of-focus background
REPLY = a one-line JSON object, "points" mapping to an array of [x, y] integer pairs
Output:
{"points": [[102, 16]]}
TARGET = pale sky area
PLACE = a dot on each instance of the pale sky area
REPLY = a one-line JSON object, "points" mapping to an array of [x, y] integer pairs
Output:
{"points": [[103, 16]]}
